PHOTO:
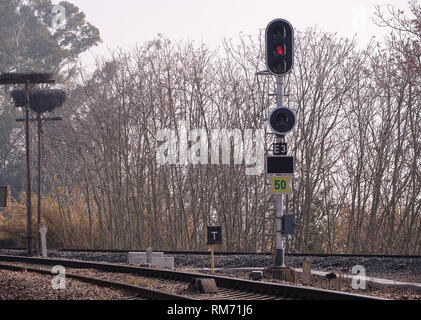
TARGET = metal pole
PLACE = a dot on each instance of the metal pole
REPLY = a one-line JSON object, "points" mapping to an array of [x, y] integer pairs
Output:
{"points": [[39, 121], [279, 253], [28, 172], [212, 258], [39, 184], [279, 248], [27, 79], [279, 93]]}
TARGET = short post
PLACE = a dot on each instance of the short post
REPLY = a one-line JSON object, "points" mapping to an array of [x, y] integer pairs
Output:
{"points": [[330, 276], [307, 271], [149, 255], [43, 232], [340, 280]]}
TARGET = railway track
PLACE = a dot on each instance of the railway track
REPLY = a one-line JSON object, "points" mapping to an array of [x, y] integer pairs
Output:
{"points": [[228, 288], [139, 293], [227, 253]]}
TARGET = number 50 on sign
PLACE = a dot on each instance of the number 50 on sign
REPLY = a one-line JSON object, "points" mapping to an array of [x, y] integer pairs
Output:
{"points": [[281, 185]]}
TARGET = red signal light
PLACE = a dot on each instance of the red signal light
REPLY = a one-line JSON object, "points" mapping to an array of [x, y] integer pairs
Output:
{"points": [[280, 49]]}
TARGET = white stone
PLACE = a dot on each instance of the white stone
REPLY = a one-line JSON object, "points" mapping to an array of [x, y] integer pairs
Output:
{"points": [[158, 259]]}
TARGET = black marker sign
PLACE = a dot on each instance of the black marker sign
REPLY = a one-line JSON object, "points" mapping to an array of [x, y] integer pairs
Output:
{"points": [[214, 235]]}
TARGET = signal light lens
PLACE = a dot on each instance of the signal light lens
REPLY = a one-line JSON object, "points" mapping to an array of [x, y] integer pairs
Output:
{"points": [[279, 66], [280, 50], [282, 120], [279, 33]]}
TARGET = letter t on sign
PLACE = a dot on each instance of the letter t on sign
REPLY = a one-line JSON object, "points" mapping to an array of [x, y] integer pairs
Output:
{"points": [[214, 235]]}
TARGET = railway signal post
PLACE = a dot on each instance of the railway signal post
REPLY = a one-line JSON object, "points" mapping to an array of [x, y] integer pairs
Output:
{"points": [[214, 237], [282, 119]]}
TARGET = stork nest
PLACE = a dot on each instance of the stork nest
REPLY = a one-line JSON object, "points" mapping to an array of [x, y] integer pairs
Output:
{"points": [[41, 100]]}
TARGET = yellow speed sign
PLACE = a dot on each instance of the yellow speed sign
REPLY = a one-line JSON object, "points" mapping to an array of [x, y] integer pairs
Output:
{"points": [[281, 185]]}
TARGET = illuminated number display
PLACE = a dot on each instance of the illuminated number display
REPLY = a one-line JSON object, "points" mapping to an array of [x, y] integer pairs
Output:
{"points": [[281, 185]]}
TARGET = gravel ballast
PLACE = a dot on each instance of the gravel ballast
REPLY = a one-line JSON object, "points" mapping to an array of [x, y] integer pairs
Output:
{"points": [[22, 285]]}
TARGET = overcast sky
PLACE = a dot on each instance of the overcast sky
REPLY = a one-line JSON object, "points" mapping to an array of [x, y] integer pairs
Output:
{"points": [[124, 23]]}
